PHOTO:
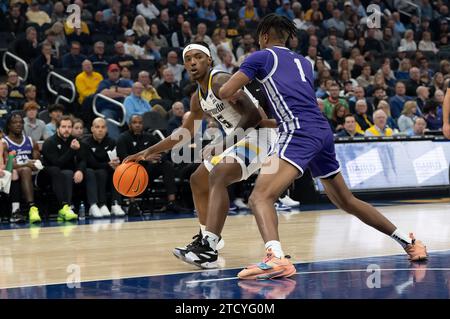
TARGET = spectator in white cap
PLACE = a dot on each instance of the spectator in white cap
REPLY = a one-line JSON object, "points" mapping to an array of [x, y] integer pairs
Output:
{"points": [[130, 47]]}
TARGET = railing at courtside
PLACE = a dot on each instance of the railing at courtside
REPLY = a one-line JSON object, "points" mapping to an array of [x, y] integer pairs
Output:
{"points": [[120, 105], [15, 57], [58, 96]]}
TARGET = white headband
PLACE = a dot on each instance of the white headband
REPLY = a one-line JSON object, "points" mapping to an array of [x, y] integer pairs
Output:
{"points": [[195, 46]]}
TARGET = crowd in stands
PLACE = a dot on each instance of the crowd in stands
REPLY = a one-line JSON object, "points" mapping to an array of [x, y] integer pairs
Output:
{"points": [[370, 81]]}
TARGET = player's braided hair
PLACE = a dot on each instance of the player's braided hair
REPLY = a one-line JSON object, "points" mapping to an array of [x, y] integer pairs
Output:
{"points": [[281, 26]]}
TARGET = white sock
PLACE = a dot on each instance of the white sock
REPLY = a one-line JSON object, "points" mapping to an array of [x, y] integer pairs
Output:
{"points": [[401, 238], [275, 246], [202, 228], [212, 239], [15, 206]]}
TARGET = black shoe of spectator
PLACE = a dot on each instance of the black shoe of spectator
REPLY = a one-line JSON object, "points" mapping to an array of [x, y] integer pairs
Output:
{"points": [[17, 217], [134, 210], [173, 207]]}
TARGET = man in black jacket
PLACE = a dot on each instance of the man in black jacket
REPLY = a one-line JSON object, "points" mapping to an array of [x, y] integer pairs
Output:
{"points": [[136, 140], [100, 169], [169, 90], [64, 165]]}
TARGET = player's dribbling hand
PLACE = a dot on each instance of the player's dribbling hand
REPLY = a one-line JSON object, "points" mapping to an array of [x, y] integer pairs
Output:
{"points": [[153, 158], [135, 157], [446, 131]]}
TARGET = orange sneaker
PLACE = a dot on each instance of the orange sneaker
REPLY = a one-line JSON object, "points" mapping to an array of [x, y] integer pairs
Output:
{"points": [[271, 267], [417, 251]]}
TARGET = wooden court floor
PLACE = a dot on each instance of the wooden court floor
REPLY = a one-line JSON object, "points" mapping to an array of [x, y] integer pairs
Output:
{"points": [[104, 250]]}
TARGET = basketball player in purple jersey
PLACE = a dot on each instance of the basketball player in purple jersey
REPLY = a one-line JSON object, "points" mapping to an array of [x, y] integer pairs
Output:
{"points": [[305, 140]]}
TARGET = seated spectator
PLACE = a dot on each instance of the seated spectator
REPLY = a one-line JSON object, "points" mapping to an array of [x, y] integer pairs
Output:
{"points": [[349, 127], [36, 15], [147, 9], [408, 42], [140, 26], [398, 100], [99, 172], [338, 117], [335, 22], [78, 128], [135, 140], [125, 75], [432, 115], [98, 58], [120, 57], [390, 122], [15, 88], [134, 103], [27, 152], [423, 94], [27, 48], [41, 67], [333, 100], [182, 38], [151, 52], [159, 39], [115, 88], [176, 118], [172, 64], [419, 128], [366, 78], [149, 93], [426, 44], [33, 127], [5, 105], [30, 95], [414, 81], [363, 120], [249, 12], [87, 81], [227, 64], [169, 90], [206, 12], [64, 165], [15, 22], [201, 32], [406, 120], [131, 48], [55, 112], [73, 59], [379, 127]]}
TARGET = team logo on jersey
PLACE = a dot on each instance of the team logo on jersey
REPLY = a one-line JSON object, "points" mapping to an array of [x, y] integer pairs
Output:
{"points": [[93, 149], [58, 146]]}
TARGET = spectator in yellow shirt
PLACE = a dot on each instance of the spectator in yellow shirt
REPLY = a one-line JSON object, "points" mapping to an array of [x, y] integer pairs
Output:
{"points": [[87, 81], [149, 93], [36, 15], [379, 128]]}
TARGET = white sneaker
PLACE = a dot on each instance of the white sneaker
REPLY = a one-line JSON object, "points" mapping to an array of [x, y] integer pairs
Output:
{"points": [[105, 211], [220, 244], [239, 202], [116, 210], [95, 212], [286, 200]]}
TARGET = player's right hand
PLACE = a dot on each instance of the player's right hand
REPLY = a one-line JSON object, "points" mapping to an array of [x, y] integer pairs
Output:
{"points": [[446, 130], [135, 157]]}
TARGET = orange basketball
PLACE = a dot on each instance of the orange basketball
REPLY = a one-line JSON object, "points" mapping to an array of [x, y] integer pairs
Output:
{"points": [[130, 179]]}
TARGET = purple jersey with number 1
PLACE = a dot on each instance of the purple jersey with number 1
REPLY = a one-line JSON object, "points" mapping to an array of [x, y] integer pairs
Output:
{"points": [[305, 138]]}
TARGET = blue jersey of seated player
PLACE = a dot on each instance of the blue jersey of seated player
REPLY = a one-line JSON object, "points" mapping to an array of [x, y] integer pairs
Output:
{"points": [[305, 138], [288, 81]]}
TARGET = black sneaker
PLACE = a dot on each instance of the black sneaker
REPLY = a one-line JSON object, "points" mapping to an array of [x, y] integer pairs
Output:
{"points": [[201, 255], [17, 217], [134, 210], [197, 240]]}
